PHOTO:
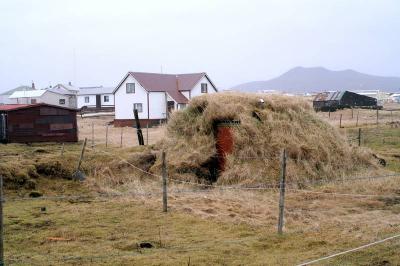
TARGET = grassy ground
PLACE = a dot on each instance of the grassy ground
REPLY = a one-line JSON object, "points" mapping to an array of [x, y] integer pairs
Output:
{"points": [[206, 227], [105, 233], [384, 140]]}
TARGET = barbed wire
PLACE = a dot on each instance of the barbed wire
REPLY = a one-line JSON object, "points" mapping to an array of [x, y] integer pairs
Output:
{"points": [[342, 194], [348, 178]]}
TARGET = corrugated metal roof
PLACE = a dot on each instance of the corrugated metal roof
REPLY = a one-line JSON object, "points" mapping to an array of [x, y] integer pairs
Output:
{"points": [[27, 94], [329, 96], [95, 90], [8, 107]]}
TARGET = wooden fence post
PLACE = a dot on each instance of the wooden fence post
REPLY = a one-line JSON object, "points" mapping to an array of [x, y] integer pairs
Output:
{"points": [[92, 134], [62, 150], [147, 133], [120, 145], [164, 181], [391, 116], [138, 128], [340, 122], [106, 135], [282, 188], [377, 115], [352, 110], [358, 112], [329, 114], [81, 157], [1, 223], [359, 136]]}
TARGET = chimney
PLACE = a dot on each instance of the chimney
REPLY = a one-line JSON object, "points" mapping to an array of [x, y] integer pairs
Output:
{"points": [[69, 83], [33, 85]]}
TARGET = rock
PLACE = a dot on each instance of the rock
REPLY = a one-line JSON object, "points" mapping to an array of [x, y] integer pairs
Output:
{"points": [[145, 245], [35, 194]]}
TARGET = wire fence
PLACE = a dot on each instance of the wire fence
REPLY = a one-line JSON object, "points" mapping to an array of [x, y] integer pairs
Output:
{"points": [[194, 189], [363, 117]]}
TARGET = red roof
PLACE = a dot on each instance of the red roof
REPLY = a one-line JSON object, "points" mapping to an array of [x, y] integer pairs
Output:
{"points": [[8, 107], [11, 107], [169, 83]]}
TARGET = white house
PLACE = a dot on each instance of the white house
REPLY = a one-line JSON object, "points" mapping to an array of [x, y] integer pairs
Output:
{"points": [[395, 97], [96, 97], [40, 96], [68, 91], [156, 95]]}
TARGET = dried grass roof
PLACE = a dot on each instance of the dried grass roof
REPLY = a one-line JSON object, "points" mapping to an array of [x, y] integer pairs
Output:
{"points": [[315, 149]]}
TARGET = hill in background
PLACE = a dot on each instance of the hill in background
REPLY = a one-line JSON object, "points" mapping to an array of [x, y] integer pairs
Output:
{"points": [[316, 79]]}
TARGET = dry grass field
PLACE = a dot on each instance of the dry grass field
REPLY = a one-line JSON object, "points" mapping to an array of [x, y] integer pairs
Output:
{"points": [[129, 136], [102, 220], [365, 117]]}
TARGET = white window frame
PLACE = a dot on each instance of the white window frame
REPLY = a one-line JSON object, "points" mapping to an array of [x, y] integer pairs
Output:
{"points": [[130, 87], [106, 98], [205, 86], [138, 106], [87, 99], [61, 101]]}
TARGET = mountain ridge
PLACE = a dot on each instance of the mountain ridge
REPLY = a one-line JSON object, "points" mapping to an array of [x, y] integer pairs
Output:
{"points": [[316, 79]]}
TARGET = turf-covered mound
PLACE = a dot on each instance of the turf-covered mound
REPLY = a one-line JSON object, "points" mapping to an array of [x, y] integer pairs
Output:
{"points": [[315, 149]]}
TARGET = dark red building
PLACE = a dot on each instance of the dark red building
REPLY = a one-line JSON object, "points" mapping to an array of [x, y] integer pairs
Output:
{"points": [[26, 123]]}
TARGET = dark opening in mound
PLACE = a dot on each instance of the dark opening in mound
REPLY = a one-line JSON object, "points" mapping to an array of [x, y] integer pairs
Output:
{"points": [[208, 171]]}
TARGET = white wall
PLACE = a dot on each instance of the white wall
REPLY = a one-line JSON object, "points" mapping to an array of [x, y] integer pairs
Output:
{"points": [[158, 106], [124, 101], [53, 98], [196, 91], [47, 97], [110, 101], [81, 100], [92, 100]]}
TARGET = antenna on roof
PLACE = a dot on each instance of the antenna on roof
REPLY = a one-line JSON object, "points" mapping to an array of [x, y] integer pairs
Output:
{"points": [[74, 65]]}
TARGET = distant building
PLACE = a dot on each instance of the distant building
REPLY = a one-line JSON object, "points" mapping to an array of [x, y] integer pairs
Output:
{"points": [[269, 91], [156, 95], [40, 96], [379, 95], [26, 123], [331, 101], [98, 98], [68, 91], [395, 97], [4, 97]]}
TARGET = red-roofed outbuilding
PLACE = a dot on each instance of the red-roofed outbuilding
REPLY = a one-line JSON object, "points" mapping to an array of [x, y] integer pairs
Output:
{"points": [[27, 123]]}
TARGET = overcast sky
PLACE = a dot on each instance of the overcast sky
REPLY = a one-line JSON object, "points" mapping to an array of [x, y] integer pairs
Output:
{"points": [[233, 41]]}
